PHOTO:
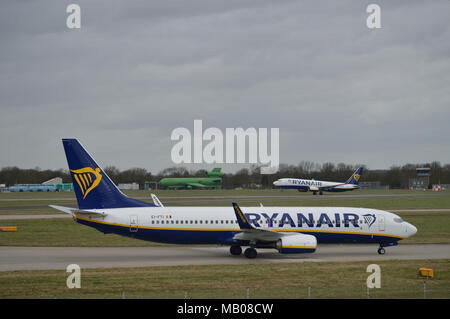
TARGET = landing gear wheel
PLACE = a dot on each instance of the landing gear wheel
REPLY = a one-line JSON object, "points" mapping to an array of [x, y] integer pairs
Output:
{"points": [[235, 250], [250, 253], [320, 193], [381, 251]]}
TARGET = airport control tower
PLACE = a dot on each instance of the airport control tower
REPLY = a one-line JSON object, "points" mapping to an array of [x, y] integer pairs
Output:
{"points": [[422, 179]]}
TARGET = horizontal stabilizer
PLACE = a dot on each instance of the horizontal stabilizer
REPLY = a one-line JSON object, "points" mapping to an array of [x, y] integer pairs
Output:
{"points": [[76, 211], [88, 213]]}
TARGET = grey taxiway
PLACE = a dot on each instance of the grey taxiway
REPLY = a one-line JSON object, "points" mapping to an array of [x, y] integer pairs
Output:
{"points": [[29, 258]]}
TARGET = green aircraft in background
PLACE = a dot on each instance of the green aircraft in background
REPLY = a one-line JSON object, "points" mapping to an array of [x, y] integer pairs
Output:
{"points": [[214, 180]]}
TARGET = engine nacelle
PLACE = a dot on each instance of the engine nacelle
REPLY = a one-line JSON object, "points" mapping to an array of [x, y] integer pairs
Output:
{"points": [[296, 244]]}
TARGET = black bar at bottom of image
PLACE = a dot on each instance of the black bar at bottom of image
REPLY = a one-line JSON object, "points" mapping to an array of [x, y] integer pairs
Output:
{"points": [[217, 308]]}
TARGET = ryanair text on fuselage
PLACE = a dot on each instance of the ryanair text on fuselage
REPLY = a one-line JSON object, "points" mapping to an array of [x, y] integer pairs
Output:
{"points": [[281, 220]]}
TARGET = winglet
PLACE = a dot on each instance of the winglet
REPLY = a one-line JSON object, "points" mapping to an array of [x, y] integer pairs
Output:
{"points": [[242, 221], [156, 200]]}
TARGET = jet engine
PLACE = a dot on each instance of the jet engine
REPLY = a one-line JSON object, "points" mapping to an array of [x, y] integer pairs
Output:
{"points": [[299, 243]]}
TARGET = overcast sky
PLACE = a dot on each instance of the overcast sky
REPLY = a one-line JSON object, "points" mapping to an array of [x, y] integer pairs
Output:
{"points": [[136, 70]]}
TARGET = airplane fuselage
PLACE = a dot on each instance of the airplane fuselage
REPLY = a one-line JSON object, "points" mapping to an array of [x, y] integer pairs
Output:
{"points": [[190, 182], [313, 185], [218, 225]]}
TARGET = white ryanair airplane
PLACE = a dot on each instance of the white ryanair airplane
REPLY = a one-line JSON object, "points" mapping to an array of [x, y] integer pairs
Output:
{"points": [[304, 185], [288, 229]]}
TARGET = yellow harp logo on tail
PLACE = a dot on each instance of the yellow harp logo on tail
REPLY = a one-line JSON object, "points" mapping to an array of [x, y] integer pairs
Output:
{"points": [[356, 177], [87, 178]]}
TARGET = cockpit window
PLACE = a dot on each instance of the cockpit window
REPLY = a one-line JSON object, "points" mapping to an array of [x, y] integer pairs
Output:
{"points": [[398, 220]]}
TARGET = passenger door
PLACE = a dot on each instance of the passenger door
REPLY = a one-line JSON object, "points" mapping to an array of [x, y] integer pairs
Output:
{"points": [[133, 223], [381, 223]]}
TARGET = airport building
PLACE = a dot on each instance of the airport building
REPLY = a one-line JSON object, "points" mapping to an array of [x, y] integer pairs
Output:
{"points": [[128, 186], [53, 185], [422, 179]]}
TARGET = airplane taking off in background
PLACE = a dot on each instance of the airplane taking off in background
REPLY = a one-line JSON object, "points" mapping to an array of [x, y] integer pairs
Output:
{"points": [[304, 185], [103, 206]]}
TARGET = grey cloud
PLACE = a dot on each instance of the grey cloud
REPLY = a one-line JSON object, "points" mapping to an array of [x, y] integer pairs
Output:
{"points": [[138, 69]]}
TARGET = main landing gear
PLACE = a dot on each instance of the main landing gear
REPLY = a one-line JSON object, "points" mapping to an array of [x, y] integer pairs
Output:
{"points": [[249, 252], [235, 250], [381, 251]]}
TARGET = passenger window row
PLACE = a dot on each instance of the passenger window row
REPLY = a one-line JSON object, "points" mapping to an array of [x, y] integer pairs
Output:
{"points": [[275, 222], [190, 222]]}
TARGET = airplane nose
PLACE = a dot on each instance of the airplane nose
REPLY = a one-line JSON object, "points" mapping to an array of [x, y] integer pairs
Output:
{"points": [[412, 230]]}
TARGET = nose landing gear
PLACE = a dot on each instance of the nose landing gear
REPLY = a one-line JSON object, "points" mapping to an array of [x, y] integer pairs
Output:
{"points": [[382, 251]]}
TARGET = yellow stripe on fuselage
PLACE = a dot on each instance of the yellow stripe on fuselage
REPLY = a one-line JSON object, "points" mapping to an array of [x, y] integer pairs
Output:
{"points": [[332, 232]]}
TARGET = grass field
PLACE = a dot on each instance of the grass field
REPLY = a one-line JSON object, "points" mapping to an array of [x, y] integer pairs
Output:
{"points": [[278, 280], [214, 192], [327, 280], [434, 227], [37, 203], [61, 233]]}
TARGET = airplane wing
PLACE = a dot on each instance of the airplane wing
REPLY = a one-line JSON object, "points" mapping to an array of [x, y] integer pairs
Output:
{"points": [[76, 211], [285, 242], [249, 232]]}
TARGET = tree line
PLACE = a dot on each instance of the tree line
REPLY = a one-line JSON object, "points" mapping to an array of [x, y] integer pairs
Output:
{"points": [[394, 177]]}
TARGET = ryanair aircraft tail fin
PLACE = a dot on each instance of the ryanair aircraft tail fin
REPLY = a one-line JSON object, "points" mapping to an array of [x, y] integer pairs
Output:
{"points": [[93, 188], [354, 179]]}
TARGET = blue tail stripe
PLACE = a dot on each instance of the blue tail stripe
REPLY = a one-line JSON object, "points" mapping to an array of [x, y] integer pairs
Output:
{"points": [[99, 191]]}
